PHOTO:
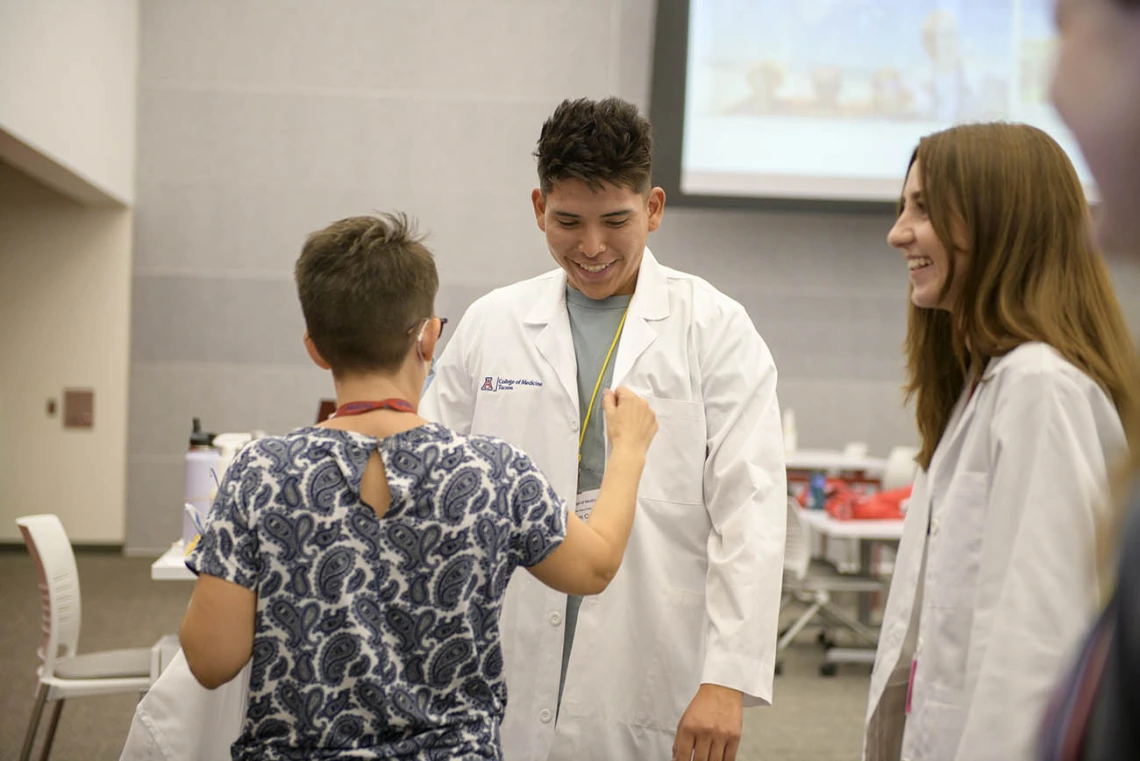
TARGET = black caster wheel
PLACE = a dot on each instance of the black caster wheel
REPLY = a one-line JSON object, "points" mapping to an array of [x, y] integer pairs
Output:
{"points": [[779, 668], [828, 669]]}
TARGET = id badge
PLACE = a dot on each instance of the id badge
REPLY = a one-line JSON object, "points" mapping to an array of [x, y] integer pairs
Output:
{"points": [[584, 505]]}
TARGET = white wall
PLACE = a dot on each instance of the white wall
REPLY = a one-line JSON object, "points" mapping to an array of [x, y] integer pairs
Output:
{"points": [[262, 120], [65, 307], [68, 93]]}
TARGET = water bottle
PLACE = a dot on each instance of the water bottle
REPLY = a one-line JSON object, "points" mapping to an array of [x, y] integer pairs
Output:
{"points": [[199, 484], [228, 446], [817, 496]]}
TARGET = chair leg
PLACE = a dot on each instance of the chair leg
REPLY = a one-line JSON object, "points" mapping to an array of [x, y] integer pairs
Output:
{"points": [[864, 632], [55, 711], [794, 630], [34, 722]]}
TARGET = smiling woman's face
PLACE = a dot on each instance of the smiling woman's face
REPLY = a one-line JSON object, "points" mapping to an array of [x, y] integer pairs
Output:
{"points": [[927, 261]]}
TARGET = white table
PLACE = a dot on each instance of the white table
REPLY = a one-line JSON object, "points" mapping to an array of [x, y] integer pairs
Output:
{"points": [[885, 530], [832, 460], [172, 565]]}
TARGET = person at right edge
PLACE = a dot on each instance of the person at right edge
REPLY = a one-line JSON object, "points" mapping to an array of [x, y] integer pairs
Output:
{"points": [[1095, 713], [1022, 370]]}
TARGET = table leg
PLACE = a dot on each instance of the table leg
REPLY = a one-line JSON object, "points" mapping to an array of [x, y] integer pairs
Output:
{"points": [[864, 601]]}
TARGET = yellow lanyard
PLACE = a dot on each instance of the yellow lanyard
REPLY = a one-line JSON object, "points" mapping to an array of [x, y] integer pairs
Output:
{"points": [[598, 383]]}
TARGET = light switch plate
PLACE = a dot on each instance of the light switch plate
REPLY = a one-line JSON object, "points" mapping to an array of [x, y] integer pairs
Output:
{"points": [[78, 408]]}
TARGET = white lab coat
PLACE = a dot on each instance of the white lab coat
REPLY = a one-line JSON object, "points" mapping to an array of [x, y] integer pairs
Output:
{"points": [[180, 720], [1012, 499], [698, 594]]}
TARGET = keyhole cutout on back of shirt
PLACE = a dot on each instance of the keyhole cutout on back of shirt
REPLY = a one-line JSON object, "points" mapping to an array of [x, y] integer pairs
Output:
{"points": [[374, 492]]}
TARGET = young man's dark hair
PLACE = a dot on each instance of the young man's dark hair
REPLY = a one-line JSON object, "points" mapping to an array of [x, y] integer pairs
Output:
{"points": [[595, 141], [366, 284]]}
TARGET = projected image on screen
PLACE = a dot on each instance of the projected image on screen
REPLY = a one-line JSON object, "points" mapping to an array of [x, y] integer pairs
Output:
{"points": [[827, 98]]}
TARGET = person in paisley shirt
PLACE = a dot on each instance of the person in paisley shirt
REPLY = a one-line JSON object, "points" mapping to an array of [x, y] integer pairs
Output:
{"points": [[361, 563]]}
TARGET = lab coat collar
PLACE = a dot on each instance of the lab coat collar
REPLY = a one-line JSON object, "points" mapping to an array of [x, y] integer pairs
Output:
{"points": [[651, 294], [554, 341], [551, 301], [649, 305]]}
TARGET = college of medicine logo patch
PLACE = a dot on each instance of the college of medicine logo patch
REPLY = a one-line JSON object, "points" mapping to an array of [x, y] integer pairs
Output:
{"points": [[493, 383]]}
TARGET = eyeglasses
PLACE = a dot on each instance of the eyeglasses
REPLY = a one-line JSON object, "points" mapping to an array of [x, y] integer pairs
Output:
{"points": [[417, 323]]}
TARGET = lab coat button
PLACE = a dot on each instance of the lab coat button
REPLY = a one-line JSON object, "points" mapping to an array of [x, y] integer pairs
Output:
{"points": [[545, 716], [574, 425], [934, 526], [555, 618], [918, 646]]}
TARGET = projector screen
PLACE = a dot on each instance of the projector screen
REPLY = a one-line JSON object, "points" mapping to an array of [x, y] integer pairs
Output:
{"points": [[826, 99]]}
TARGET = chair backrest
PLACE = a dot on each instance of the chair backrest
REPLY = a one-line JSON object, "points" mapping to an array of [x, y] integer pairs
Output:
{"points": [[900, 468], [51, 551], [797, 544]]}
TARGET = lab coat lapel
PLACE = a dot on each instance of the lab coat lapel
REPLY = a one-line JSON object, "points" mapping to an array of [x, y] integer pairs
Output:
{"points": [[882, 729], [921, 505], [649, 305], [550, 323], [946, 453]]}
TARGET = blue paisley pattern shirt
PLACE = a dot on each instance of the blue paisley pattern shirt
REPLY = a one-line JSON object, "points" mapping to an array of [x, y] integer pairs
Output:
{"points": [[377, 637]]}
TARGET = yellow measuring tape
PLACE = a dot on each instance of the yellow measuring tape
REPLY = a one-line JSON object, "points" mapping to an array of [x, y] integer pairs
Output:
{"points": [[598, 383]]}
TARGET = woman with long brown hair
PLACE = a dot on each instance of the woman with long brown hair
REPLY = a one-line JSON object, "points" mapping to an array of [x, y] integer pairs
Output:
{"points": [[1021, 369], [1095, 716]]}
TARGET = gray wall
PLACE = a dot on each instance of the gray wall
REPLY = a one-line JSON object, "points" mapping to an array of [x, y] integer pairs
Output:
{"points": [[262, 120]]}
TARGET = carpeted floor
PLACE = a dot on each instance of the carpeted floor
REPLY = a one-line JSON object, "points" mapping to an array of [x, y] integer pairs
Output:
{"points": [[814, 718]]}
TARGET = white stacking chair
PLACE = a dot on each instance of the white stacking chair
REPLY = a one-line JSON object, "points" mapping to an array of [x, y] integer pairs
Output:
{"points": [[797, 547], [811, 585], [63, 672]]}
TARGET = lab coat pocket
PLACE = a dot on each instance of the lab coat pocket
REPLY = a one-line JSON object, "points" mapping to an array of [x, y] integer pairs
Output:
{"points": [[674, 466], [951, 590], [957, 529]]}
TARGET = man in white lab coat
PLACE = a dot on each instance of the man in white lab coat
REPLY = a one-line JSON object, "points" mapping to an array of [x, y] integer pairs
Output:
{"points": [[661, 664]]}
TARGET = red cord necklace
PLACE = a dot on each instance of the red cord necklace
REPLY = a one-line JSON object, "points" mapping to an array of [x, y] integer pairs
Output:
{"points": [[359, 408]]}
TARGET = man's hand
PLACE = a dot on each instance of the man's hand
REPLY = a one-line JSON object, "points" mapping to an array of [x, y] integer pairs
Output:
{"points": [[710, 728]]}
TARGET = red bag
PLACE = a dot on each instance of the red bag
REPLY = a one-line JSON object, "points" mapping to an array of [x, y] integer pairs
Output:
{"points": [[849, 505]]}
